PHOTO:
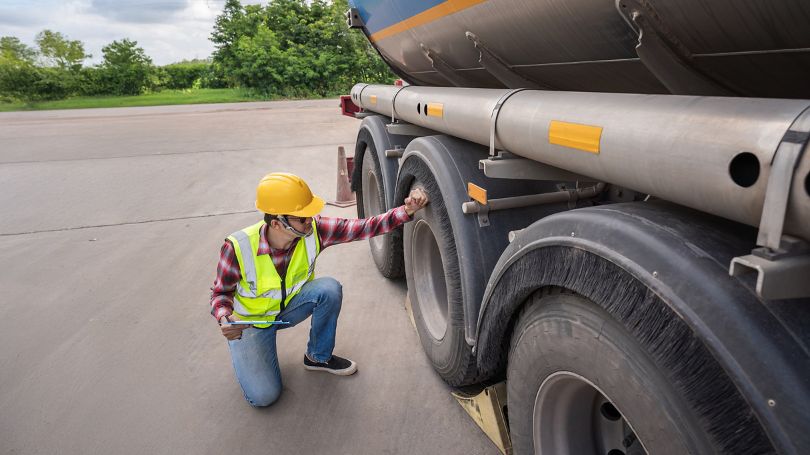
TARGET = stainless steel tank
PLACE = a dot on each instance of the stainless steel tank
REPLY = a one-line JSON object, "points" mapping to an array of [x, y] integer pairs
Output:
{"points": [[749, 48]]}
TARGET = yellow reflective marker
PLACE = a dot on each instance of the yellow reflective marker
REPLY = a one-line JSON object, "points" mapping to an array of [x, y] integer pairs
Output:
{"points": [[477, 193], [372, 99], [574, 135], [435, 110]]}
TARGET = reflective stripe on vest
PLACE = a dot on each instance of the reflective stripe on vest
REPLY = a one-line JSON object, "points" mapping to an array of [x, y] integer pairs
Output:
{"points": [[258, 294]]}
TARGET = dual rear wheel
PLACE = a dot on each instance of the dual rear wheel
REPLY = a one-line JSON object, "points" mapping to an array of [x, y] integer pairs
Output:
{"points": [[579, 382]]}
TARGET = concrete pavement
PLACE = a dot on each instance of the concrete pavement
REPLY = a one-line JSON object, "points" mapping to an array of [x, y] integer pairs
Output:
{"points": [[110, 230]]}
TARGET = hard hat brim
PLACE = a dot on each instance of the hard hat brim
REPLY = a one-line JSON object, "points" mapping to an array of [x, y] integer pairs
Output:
{"points": [[312, 209]]}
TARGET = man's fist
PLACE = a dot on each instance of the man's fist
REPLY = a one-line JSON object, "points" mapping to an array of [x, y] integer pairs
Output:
{"points": [[416, 200], [231, 331]]}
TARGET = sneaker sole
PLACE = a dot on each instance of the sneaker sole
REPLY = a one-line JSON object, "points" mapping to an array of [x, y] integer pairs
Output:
{"points": [[344, 372]]}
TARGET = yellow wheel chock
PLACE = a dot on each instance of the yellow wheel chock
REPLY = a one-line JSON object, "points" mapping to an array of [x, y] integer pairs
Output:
{"points": [[488, 410]]}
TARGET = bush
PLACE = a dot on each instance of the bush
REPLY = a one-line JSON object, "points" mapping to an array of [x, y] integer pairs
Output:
{"points": [[89, 82], [26, 82], [184, 75], [215, 77]]}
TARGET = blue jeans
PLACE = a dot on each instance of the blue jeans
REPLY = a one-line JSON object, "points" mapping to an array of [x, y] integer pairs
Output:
{"points": [[254, 356]]}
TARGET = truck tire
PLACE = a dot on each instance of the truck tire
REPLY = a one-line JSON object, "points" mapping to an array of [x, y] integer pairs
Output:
{"points": [[434, 283], [371, 196], [579, 383], [385, 249]]}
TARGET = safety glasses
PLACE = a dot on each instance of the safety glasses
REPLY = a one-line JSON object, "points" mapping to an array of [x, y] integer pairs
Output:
{"points": [[305, 221]]}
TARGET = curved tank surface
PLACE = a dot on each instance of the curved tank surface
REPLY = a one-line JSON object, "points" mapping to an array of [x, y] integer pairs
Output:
{"points": [[749, 48]]}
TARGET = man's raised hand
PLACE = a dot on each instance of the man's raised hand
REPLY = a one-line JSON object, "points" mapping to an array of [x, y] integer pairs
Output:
{"points": [[415, 201]]}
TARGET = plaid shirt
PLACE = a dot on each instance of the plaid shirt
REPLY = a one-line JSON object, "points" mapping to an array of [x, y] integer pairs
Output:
{"points": [[331, 231]]}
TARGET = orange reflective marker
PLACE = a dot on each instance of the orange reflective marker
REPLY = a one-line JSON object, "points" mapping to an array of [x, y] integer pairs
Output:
{"points": [[477, 193]]}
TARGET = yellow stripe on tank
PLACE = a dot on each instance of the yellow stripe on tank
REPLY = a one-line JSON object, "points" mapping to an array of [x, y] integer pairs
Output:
{"points": [[574, 135], [429, 15]]}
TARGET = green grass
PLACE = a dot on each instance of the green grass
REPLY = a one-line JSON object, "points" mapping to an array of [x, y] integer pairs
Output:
{"points": [[163, 98]]}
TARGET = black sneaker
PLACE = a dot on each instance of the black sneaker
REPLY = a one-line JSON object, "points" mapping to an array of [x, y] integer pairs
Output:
{"points": [[335, 365]]}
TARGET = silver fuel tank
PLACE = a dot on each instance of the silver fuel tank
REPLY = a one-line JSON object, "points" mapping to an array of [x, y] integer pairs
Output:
{"points": [[744, 48]]}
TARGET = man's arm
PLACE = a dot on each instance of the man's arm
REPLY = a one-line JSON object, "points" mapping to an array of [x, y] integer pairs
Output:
{"points": [[228, 275], [341, 230]]}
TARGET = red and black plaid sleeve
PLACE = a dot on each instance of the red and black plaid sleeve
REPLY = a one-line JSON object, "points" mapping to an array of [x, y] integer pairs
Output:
{"points": [[341, 230], [228, 275]]}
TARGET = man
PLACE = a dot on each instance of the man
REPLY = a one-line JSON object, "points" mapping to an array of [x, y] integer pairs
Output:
{"points": [[266, 273]]}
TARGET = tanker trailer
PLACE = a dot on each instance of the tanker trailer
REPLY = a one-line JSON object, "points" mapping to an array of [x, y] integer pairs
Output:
{"points": [[619, 223]]}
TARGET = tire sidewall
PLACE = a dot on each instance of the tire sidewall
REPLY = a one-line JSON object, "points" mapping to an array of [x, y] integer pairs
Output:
{"points": [[381, 245], [565, 332], [446, 353]]}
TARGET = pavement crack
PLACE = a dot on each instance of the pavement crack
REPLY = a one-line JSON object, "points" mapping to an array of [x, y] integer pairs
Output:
{"points": [[151, 155], [127, 223]]}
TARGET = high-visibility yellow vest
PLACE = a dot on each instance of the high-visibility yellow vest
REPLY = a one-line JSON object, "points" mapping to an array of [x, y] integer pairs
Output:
{"points": [[261, 294]]}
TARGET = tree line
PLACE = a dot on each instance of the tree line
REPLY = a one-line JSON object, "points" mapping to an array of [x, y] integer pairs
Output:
{"points": [[55, 69], [291, 48]]}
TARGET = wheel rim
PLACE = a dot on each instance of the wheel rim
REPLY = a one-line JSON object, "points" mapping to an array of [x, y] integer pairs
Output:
{"points": [[371, 195], [428, 271], [573, 417]]}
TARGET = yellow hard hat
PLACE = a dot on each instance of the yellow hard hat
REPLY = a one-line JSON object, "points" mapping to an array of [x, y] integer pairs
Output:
{"points": [[281, 193]]}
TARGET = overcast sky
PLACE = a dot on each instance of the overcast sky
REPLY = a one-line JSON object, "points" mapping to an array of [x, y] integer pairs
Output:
{"points": [[168, 30]]}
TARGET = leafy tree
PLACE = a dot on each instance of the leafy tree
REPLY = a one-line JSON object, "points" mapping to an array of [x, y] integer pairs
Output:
{"points": [[226, 31], [60, 51], [21, 79], [14, 51], [126, 69], [294, 48], [125, 52], [235, 23], [260, 62]]}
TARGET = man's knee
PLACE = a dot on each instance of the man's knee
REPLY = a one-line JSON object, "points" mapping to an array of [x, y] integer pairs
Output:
{"points": [[331, 289]]}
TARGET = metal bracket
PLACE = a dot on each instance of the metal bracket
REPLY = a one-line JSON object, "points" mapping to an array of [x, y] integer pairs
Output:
{"points": [[482, 210], [508, 166], [441, 67], [364, 114], [353, 19], [493, 118], [782, 278], [395, 152], [663, 54], [394, 104], [498, 68], [409, 129], [483, 214], [782, 262], [777, 194]]}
